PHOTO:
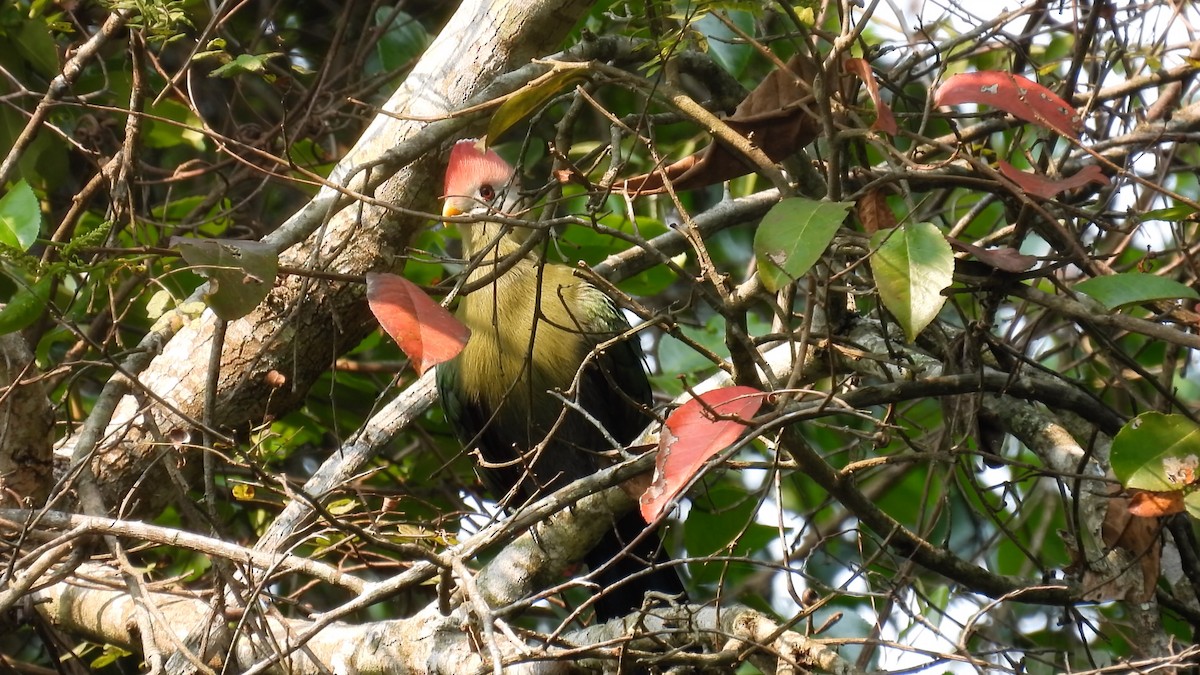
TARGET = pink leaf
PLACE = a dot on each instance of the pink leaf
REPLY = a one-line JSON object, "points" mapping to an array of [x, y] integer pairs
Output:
{"points": [[884, 121], [1046, 188], [424, 330], [1013, 94], [692, 435]]}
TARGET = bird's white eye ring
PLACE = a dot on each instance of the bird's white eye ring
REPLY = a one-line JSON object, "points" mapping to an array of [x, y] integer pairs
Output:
{"points": [[486, 192]]}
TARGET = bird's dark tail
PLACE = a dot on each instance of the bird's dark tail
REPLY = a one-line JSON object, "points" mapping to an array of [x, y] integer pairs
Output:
{"points": [[624, 578]]}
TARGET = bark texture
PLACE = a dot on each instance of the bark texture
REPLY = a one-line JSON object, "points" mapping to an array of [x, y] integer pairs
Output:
{"points": [[26, 427]]}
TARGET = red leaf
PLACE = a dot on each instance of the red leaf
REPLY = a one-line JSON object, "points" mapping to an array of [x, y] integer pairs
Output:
{"points": [[1013, 94], [1153, 504], [884, 121], [424, 330], [692, 435], [1046, 188]]}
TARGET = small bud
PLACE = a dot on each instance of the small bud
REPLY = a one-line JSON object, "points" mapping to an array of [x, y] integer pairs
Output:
{"points": [[275, 379]]}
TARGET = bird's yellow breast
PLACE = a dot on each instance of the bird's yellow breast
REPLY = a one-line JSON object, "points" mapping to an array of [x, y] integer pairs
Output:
{"points": [[516, 350]]}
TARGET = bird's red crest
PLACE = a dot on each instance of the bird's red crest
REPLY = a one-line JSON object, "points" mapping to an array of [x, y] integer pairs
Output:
{"points": [[470, 166]]}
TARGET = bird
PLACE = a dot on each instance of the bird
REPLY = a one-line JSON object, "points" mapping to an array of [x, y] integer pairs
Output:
{"points": [[536, 331]]}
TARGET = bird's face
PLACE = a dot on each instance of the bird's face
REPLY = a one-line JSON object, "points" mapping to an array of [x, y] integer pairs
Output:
{"points": [[477, 181]]}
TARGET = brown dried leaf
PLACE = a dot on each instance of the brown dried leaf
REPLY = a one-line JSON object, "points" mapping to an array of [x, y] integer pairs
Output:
{"points": [[1005, 259], [1139, 537], [874, 213], [772, 117]]}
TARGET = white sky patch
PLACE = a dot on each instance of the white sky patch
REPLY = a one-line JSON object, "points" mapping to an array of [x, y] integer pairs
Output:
{"points": [[484, 512]]}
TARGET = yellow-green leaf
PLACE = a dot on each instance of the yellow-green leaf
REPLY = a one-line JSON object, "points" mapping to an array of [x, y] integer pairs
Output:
{"points": [[531, 97], [912, 265]]}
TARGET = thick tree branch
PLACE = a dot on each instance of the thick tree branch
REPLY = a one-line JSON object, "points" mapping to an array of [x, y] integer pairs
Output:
{"points": [[430, 642], [26, 427]]}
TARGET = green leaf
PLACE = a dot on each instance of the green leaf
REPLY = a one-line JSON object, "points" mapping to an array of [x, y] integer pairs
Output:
{"points": [[240, 273], [649, 282], [401, 43], [592, 247], [108, 656], [26, 306], [1133, 288], [675, 356], [45, 160], [163, 134], [36, 44], [721, 522], [912, 265], [20, 217], [792, 237], [530, 98], [245, 63], [1176, 212], [1156, 452], [724, 45]]}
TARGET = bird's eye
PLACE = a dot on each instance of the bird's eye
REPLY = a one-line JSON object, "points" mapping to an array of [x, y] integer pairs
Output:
{"points": [[486, 192]]}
